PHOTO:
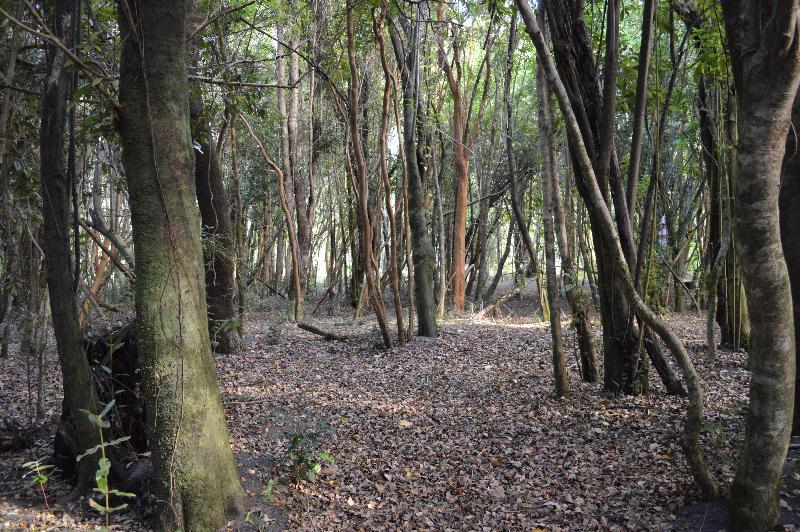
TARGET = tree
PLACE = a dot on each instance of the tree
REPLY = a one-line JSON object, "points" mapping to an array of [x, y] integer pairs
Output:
{"points": [[79, 396], [548, 182], [424, 258], [600, 211], [194, 474], [764, 42], [218, 250]]}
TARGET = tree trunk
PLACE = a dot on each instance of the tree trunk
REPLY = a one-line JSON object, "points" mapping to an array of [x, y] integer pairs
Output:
{"points": [[573, 54], [194, 473], [790, 233], [694, 416], [218, 251], [79, 393], [373, 283], [423, 254], [766, 68], [548, 178]]}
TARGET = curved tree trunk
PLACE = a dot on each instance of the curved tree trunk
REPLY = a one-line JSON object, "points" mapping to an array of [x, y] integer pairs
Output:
{"points": [[790, 233], [765, 58], [194, 473], [694, 415]]}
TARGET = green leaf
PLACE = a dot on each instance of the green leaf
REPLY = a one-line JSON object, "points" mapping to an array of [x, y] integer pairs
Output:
{"points": [[88, 452], [94, 504], [108, 407], [326, 456]]}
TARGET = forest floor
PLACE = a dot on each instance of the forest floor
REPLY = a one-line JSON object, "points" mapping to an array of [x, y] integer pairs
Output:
{"points": [[459, 432]]}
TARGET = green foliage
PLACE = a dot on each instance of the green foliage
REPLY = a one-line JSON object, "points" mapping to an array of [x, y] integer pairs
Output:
{"points": [[39, 478], [303, 461], [104, 465]]}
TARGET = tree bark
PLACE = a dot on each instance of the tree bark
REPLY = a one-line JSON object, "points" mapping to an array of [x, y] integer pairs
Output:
{"points": [[218, 250], [373, 283], [423, 254], [790, 233], [79, 393], [194, 473], [573, 53], [548, 178], [765, 60]]}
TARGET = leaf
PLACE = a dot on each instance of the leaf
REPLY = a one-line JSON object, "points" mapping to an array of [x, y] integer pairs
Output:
{"points": [[94, 504], [404, 424], [87, 453], [327, 457]]}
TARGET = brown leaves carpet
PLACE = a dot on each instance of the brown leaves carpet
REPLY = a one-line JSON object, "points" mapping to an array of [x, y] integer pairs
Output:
{"points": [[456, 433]]}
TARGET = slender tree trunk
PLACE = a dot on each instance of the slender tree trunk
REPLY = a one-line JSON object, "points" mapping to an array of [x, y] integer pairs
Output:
{"points": [[548, 178], [378, 28], [373, 283], [194, 473], [640, 104], [79, 394]]}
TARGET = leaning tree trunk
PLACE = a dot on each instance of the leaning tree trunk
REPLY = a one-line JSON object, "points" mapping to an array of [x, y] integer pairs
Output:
{"points": [[194, 473], [597, 205], [79, 393], [218, 250], [765, 56]]}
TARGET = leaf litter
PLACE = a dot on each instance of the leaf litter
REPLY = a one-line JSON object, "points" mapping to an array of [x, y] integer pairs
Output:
{"points": [[461, 432]]}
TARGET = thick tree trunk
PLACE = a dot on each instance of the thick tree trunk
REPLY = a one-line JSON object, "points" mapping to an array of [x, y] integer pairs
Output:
{"points": [[79, 393], [218, 250], [790, 234], [194, 473], [765, 58], [573, 55]]}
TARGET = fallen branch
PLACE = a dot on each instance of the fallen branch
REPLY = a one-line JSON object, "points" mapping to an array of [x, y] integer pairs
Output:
{"points": [[329, 336], [492, 307]]}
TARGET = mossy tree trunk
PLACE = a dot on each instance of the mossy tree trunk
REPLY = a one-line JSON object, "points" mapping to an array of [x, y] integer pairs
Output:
{"points": [[765, 59], [78, 389], [194, 473]]}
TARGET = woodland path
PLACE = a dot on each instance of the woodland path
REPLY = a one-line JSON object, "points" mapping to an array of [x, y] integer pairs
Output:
{"points": [[460, 432]]}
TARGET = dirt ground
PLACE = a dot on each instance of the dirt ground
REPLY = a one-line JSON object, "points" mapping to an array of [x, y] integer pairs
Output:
{"points": [[461, 432]]}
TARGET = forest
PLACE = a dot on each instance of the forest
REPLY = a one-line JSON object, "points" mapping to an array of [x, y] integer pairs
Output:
{"points": [[399, 265]]}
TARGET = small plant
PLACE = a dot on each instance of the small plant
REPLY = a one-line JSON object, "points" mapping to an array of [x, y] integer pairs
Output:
{"points": [[40, 478], [104, 465], [305, 461]]}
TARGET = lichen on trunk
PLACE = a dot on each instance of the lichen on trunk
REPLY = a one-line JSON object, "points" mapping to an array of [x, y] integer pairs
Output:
{"points": [[194, 473]]}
